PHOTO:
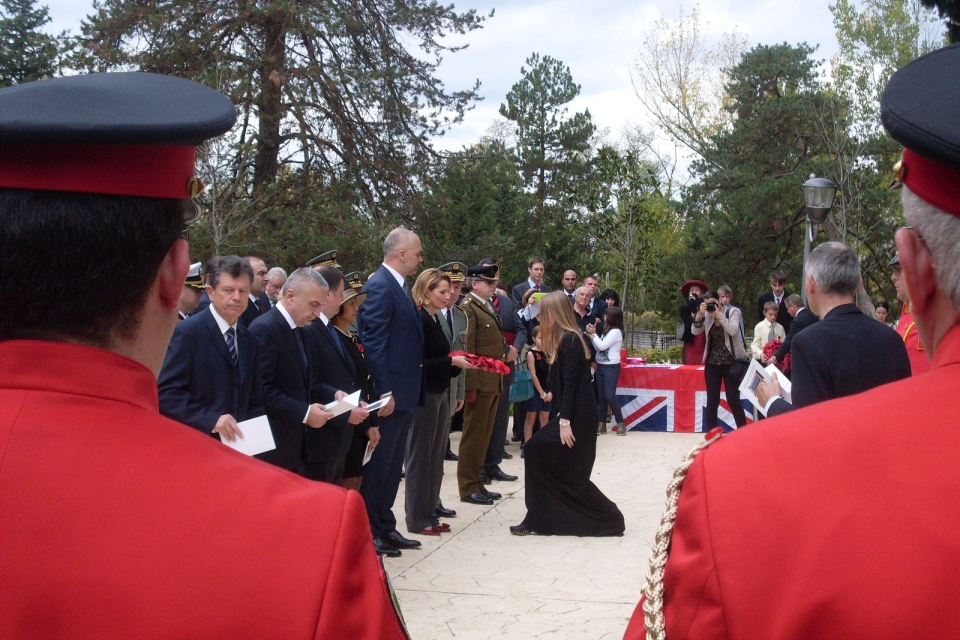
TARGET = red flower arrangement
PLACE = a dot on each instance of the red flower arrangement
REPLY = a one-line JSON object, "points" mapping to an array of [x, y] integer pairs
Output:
{"points": [[771, 348], [484, 363]]}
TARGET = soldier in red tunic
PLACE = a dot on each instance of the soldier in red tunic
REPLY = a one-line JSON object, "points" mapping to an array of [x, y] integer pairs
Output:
{"points": [[907, 326], [833, 521], [116, 522]]}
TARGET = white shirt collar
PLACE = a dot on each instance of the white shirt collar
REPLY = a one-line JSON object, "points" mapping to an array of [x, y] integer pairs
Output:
{"points": [[533, 285], [444, 311], [396, 274], [324, 319], [252, 297], [286, 315], [221, 322]]}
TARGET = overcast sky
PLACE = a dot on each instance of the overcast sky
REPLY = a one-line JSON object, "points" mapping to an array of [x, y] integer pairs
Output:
{"points": [[598, 40]]}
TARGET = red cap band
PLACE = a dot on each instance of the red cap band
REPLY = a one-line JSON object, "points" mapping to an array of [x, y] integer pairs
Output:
{"points": [[152, 171], [933, 182]]}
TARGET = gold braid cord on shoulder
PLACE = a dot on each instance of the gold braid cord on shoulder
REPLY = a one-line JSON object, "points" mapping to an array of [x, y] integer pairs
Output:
{"points": [[653, 587]]}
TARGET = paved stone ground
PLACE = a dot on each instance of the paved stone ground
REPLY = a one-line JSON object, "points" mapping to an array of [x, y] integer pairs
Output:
{"points": [[478, 581]]}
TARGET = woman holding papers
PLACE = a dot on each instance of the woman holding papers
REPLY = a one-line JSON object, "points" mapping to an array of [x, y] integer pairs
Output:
{"points": [[366, 434], [426, 444], [560, 498]]}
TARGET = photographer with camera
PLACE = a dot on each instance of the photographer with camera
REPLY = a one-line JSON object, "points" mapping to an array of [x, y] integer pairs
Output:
{"points": [[723, 349], [692, 290]]}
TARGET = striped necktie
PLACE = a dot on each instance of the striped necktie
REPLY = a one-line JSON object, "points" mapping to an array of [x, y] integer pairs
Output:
{"points": [[229, 336]]}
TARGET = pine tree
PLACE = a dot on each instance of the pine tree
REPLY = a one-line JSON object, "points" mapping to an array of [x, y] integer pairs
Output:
{"points": [[26, 52]]}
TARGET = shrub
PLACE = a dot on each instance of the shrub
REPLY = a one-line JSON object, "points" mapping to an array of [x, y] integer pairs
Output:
{"points": [[654, 356], [675, 354]]}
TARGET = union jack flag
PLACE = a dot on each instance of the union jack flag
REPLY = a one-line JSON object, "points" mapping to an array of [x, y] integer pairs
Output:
{"points": [[682, 408]]}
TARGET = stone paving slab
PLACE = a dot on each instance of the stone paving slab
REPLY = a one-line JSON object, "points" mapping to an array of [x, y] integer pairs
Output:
{"points": [[478, 581]]}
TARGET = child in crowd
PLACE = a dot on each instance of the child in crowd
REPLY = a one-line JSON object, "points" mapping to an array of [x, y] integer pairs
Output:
{"points": [[766, 330], [538, 367]]}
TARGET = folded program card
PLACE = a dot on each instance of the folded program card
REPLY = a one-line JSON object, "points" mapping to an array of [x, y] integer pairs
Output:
{"points": [[257, 437]]}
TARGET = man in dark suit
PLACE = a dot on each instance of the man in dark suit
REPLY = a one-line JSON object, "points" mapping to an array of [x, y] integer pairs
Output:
{"points": [[392, 336], [778, 293], [847, 352], [536, 268], [802, 318], [285, 369], [210, 378], [569, 281], [596, 307], [193, 289], [257, 301], [332, 370]]}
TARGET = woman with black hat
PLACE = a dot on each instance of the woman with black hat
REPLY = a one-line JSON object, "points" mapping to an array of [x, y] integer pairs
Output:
{"points": [[693, 345], [366, 434]]}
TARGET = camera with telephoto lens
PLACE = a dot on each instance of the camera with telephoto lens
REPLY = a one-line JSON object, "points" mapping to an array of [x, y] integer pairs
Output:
{"points": [[711, 306]]}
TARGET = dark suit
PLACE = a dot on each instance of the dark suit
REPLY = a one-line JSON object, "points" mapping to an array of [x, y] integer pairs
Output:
{"points": [[804, 319], [286, 387], [255, 309], [516, 294], [598, 308], [203, 304], [392, 336], [783, 316], [844, 354], [199, 382], [332, 370]]}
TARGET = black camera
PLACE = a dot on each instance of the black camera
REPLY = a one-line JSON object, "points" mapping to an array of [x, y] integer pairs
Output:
{"points": [[711, 306]]}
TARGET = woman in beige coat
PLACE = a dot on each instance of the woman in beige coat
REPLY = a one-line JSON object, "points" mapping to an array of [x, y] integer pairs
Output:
{"points": [[723, 347]]}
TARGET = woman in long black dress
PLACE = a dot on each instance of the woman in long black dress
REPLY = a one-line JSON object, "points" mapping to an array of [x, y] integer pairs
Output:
{"points": [[560, 498]]}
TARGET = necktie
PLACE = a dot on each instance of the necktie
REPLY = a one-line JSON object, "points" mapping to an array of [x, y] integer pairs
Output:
{"points": [[229, 336], [407, 290], [450, 322], [495, 301], [537, 287], [572, 301], [772, 335], [336, 339], [303, 352]]}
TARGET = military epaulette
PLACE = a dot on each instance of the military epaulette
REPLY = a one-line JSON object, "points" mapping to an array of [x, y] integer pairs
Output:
{"points": [[653, 586]]}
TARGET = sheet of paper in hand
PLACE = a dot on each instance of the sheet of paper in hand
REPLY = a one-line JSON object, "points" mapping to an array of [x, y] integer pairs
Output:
{"points": [[257, 437], [349, 403]]}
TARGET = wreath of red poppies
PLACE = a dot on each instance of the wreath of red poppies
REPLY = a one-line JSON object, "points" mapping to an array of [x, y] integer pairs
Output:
{"points": [[484, 363], [771, 348]]}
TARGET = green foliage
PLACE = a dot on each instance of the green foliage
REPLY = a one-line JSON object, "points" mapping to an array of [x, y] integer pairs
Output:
{"points": [[655, 356], [26, 52], [654, 321], [329, 91], [675, 354]]}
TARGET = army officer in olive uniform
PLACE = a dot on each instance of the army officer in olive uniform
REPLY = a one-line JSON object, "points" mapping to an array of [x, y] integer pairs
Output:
{"points": [[483, 388]]}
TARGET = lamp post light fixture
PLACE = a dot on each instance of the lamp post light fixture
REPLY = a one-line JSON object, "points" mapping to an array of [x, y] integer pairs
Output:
{"points": [[818, 196]]}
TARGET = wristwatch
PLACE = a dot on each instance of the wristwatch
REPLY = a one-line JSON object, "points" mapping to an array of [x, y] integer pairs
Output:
{"points": [[564, 422]]}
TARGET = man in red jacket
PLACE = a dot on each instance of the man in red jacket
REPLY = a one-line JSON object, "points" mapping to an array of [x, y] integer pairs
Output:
{"points": [[116, 522], [835, 521]]}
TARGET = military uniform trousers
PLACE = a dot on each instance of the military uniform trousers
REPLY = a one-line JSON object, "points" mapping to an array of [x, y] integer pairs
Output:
{"points": [[477, 427]]}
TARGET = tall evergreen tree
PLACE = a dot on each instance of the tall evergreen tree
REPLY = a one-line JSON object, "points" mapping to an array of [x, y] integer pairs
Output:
{"points": [[552, 153], [26, 52]]}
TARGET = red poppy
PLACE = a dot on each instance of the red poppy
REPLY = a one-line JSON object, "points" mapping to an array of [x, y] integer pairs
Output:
{"points": [[771, 348]]}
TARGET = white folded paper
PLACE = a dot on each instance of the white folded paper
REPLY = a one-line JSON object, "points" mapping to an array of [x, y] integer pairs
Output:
{"points": [[349, 403], [257, 437], [368, 453], [756, 374]]}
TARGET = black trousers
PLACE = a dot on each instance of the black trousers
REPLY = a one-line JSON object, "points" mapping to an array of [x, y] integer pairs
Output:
{"points": [[714, 375]]}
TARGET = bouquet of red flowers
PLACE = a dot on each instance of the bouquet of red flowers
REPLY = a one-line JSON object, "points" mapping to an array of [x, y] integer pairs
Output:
{"points": [[771, 348], [484, 363]]}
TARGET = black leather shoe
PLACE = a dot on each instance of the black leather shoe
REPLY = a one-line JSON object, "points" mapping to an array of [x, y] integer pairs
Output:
{"points": [[507, 456], [443, 512], [498, 474], [520, 530], [515, 438], [450, 455], [478, 498], [383, 549], [397, 541], [484, 478], [493, 495]]}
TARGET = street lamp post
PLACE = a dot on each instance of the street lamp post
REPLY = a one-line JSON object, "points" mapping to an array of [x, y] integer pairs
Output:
{"points": [[818, 196]]}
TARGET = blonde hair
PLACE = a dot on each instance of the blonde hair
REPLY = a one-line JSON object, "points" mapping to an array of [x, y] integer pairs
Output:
{"points": [[427, 282], [556, 315]]}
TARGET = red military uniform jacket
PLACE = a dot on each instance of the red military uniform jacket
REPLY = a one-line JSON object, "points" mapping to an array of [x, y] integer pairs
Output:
{"points": [[839, 520], [907, 329], [116, 522]]}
